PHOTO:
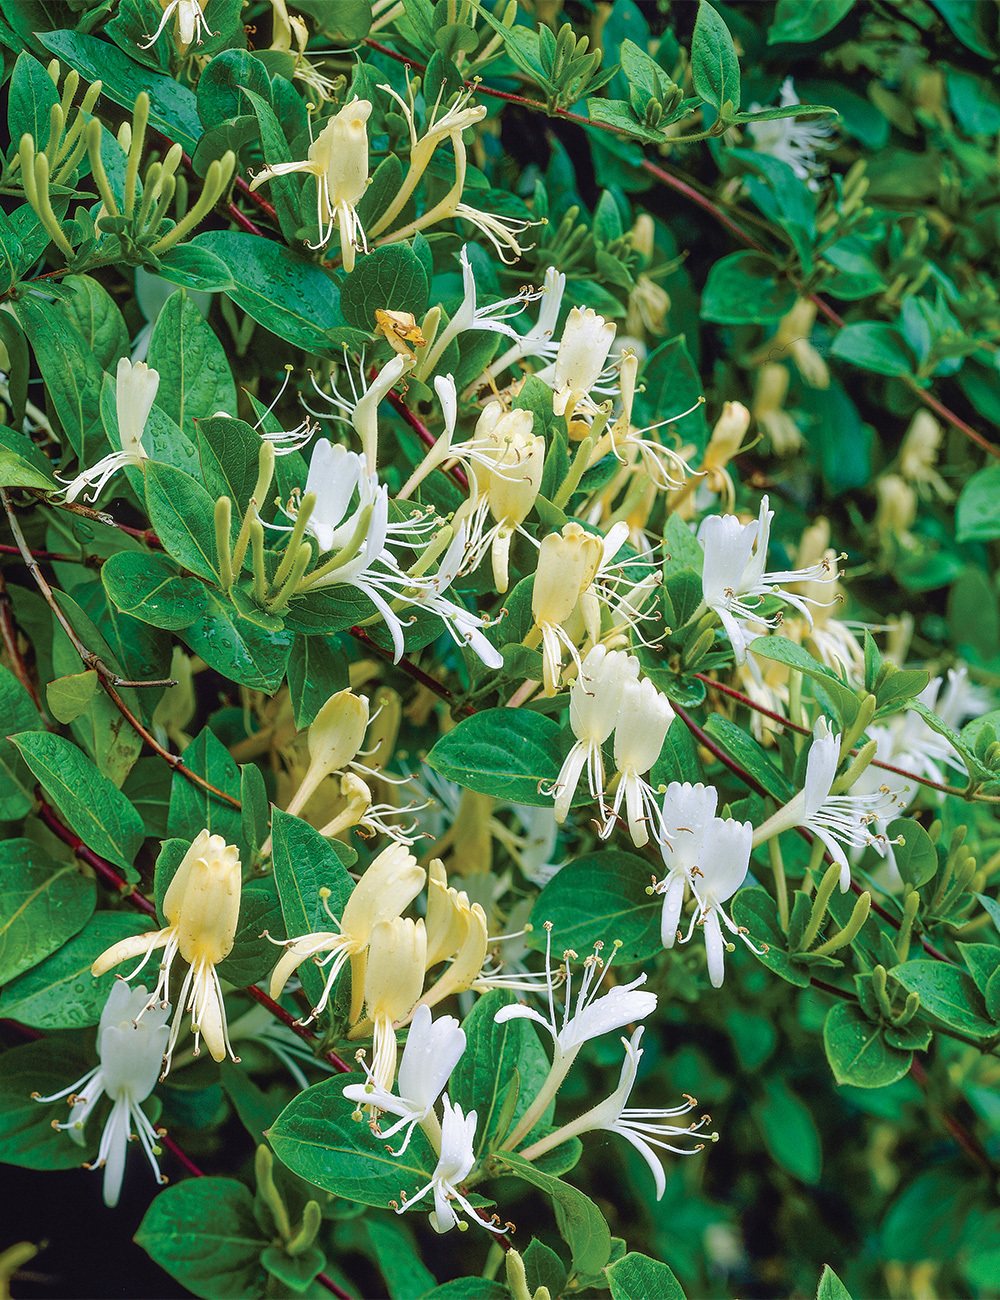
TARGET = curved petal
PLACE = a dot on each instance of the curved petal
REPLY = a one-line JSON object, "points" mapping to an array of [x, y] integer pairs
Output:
{"points": [[138, 945]]}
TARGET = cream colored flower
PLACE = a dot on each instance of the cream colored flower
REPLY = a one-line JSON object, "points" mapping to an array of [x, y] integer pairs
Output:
{"points": [[202, 908], [135, 392]]}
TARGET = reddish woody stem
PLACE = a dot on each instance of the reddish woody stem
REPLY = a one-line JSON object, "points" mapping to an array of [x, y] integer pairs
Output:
{"points": [[426, 437], [287, 1019], [411, 670]]}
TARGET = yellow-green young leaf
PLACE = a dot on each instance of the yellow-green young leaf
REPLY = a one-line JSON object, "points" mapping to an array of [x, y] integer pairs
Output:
{"points": [[204, 1233], [637, 1277], [85, 798], [61, 993], [42, 904], [68, 696]]}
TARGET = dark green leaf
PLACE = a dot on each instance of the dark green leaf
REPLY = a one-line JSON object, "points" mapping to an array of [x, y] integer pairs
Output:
{"points": [[745, 287], [601, 897], [42, 904], [195, 380], [637, 1277], [148, 587], [715, 69], [508, 753], [391, 278]]}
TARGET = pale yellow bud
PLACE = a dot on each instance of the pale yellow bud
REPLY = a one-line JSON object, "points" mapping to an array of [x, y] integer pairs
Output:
{"points": [[469, 954], [567, 565], [627, 374], [919, 452], [727, 436], [814, 544], [335, 736], [643, 233], [897, 505], [768, 409]]}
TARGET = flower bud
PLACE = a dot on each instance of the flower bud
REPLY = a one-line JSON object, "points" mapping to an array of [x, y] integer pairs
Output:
{"points": [[897, 505], [583, 350], [335, 736], [567, 565]]}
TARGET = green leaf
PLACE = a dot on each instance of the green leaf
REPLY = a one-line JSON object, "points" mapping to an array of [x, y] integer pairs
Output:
{"points": [[392, 1248], [14, 263], [916, 858], [72, 374], [347, 22], [756, 911], [831, 1287], [290, 295], [204, 1233], [493, 1053], [715, 69], [789, 1132], [238, 649], [581, 1223], [68, 697], [671, 384], [19, 714], [229, 451], [543, 1267], [148, 587], [745, 287], [601, 897], [183, 517], [26, 1131], [61, 993], [194, 268], [193, 809], [391, 278], [503, 752], [195, 379], [95, 314], [253, 955], [317, 669], [42, 904], [172, 107], [304, 863], [637, 1277], [976, 516], [742, 747], [779, 648], [805, 20], [91, 804], [284, 191], [948, 993], [857, 1051], [872, 345], [317, 1139], [31, 96]]}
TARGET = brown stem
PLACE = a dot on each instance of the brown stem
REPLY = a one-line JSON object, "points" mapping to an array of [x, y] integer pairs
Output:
{"points": [[145, 535], [287, 1019], [101, 867], [109, 680], [805, 731], [411, 670], [426, 437]]}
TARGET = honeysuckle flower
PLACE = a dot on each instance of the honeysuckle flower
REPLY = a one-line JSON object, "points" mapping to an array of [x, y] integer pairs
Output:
{"points": [[645, 1129], [391, 883], [769, 409], [432, 1050], [594, 702], [458, 1155], [793, 140], [918, 456], [130, 1047], [567, 565], [335, 736], [513, 459], [725, 443], [457, 931], [202, 908], [284, 26], [583, 350], [733, 579], [897, 508], [135, 392], [338, 158], [394, 977], [191, 24], [538, 341], [708, 855], [591, 1015], [644, 717], [836, 819]]}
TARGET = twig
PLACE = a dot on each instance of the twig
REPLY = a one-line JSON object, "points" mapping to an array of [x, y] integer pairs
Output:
{"points": [[287, 1019], [969, 1144], [805, 731], [100, 866], [411, 670], [145, 535], [109, 680]]}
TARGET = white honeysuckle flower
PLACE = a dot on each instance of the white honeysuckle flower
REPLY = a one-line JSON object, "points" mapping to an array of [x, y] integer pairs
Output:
{"points": [[135, 392], [191, 24], [644, 717], [130, 1046], [338, 158], [538, 341], [202, 908], [583, 350], [458, 1155], [433, 1049], [734, 581], [590, 1015], [835, 819], [365, 416], [708, 855], [594, 701], [645, 1129], [793, 140]]}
